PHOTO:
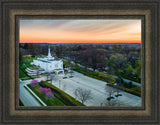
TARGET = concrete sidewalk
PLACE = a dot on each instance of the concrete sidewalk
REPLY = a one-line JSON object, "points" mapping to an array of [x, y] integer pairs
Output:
{"points": [[25, 96]]}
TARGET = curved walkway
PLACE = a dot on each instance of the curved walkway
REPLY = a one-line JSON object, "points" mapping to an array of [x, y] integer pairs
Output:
{"points": [[35, 95], [25, 96]]}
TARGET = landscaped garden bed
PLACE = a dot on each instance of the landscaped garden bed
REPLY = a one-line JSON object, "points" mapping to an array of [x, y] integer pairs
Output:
{"points": [[138, 80], [96, 75], [136, 90], [22, 74], [51, 102], [51, 95], [61, 95]]}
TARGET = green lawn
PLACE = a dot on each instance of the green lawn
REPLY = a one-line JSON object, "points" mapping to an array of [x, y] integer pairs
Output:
{"points": [[20, 103], [53, 102], [27, 61], [21, 74], [25, 78], [26, 64]]}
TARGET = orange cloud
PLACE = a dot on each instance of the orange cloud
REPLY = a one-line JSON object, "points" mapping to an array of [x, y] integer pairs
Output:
{"points": [[80, 31]]}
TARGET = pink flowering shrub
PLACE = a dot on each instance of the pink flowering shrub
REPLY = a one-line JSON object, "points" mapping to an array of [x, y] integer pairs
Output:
{"points": [[42, 90], [49, 95], [47, 92], [34, 83]]}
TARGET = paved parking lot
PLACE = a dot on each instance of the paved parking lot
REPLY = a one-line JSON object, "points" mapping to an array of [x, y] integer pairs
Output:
{"points": [[68, 85], [97, 88]]}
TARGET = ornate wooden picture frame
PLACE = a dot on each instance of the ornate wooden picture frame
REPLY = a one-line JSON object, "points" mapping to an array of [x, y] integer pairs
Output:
{"points": [[13, 10]]}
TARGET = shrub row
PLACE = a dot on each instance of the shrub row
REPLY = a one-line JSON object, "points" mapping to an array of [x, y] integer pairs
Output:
{"points": [[126, 89], [96, 75], [128, 85], [131, 78], [69, 99]]}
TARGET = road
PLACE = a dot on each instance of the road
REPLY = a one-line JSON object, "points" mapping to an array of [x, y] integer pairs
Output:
{"points": [[97, 89], [25, 96], [126, 80]]}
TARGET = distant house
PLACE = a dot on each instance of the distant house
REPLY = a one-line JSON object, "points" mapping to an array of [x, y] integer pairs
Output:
{"points": [[27, 56], [134, 56]]}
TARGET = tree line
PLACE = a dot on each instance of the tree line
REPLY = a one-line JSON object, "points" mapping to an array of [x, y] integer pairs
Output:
{"points": [[116, 59]]}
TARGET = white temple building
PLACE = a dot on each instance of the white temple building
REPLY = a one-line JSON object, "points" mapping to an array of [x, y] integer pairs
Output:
{"points": [[49, 64]]}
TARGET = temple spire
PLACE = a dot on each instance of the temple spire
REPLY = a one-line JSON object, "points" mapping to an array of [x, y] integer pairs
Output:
{"points": [[49, 53]]}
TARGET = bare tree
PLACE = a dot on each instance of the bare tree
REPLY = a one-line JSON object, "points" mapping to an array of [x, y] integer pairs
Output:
{"points": [[56, 78], [64, 87], [110, 90], [112, 102], [112, 99], [59, 83], [59, 78], [52, 77], [66, 72], [83, 94], [68, 64], [71, 73], [48, 76]]}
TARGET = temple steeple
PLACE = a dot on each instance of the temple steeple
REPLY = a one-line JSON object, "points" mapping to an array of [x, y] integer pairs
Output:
{"points": [[49, 53]]}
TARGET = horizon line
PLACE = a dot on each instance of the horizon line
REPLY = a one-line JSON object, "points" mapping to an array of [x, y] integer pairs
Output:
{"points": [[79, 43], [130, 41]]}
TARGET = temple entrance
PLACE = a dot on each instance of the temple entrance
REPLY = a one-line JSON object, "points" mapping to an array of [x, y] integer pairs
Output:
{"points": [[59, 72]]}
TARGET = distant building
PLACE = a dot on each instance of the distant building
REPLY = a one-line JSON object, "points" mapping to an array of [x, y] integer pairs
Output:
{"points": [[49, 63], [27, 56]]}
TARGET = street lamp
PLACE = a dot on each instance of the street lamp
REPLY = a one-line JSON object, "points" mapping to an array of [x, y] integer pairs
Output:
{"points": [[59, 83]]}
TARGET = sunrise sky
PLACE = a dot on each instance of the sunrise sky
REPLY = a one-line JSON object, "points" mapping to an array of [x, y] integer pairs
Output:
{"points": [[80, 31]]}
